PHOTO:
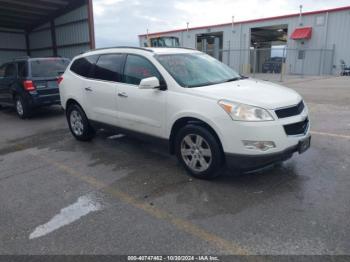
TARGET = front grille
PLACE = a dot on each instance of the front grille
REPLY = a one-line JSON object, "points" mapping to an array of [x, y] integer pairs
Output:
{"points": [[290, 111], [299, 128]]}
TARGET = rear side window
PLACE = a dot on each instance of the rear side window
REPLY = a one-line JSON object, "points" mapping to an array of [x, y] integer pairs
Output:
{"points": [[10, 70], [138, 68], [84, 66], [109, 67], [2, 70], [22, 69], [48, 67]]}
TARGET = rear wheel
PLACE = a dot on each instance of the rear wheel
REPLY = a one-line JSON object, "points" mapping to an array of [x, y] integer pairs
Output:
{"points": [[79, 124], [199, 151], [22, 107]]}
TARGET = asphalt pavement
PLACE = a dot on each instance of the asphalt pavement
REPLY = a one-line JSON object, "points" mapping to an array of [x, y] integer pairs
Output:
{"points": [[121, 195]]}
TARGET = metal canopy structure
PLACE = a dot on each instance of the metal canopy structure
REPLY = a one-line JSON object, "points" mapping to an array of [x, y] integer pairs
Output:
{"points": [[28, 14], [45, 27]]}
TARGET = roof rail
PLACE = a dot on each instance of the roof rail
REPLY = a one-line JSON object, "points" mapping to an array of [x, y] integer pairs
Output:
{"points": [[113, 47], [21, 58], [179, 47]]}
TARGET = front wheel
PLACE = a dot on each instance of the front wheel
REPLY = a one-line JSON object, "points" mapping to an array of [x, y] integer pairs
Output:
{"points": [[79, 124], [199, 151]]}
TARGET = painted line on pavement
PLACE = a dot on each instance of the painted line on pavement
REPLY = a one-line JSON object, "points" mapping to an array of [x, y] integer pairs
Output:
{"points": [[329, 134]]}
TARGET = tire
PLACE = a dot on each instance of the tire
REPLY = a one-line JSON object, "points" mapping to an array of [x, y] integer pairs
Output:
{"points": [[79, 124], [195, 144], [22, 107]]}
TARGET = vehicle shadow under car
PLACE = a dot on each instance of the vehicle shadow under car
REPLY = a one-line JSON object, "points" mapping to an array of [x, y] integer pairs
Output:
{"points": [[40, 113]]}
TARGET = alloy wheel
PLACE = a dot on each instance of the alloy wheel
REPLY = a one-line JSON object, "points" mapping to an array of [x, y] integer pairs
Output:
{"points": [[19, 107], [76, 123], [196, 152]]}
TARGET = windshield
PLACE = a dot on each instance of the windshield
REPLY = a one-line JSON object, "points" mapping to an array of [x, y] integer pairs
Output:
{"points": [[48, 67], [196, 69]]}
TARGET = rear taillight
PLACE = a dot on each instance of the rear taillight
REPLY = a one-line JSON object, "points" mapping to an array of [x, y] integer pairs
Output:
{"points": [[29, 85], [59, 79]]}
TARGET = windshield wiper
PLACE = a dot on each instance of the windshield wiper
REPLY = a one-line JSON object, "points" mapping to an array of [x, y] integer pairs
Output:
{"points": [[233, 79], [203, 84]]}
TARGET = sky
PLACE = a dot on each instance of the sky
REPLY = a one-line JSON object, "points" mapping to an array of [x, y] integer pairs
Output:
{"points": [[119, 22]]}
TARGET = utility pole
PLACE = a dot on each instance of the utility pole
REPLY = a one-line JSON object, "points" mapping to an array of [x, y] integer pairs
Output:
{"points": [[233, 23], [231, 41], [147, 37]]}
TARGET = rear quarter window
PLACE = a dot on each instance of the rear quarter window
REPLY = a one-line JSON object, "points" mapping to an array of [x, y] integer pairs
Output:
{"points": [[22, 69], [2, 71], [10, 71], [109, 67], [84, 66]]}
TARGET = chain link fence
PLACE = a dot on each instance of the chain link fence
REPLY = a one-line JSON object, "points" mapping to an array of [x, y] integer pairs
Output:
{"points": [[279, 62]]}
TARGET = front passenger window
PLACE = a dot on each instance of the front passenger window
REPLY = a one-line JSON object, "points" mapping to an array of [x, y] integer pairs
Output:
{"points": [[84, 66], [138, 68]]}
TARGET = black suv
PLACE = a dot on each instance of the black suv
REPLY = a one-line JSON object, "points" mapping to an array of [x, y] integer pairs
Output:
{"points": [[28, 83]]}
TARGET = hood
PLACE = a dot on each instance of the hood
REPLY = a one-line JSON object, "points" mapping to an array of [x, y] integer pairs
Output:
{"points": [[252, 92]]}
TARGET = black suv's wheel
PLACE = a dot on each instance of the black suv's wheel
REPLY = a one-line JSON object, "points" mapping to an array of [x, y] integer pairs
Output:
{"points": [[22, 108], [79, 123], [199, 151]]}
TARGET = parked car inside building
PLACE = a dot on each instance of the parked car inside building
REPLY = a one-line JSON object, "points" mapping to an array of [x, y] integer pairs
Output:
{"points": [[27, 83], [273, 65]]}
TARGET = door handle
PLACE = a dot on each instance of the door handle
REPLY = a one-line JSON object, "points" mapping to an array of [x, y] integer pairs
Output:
{"points": [[123, 94], [88, 89]]}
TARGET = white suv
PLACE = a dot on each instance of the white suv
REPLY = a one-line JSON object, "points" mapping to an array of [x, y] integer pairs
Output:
{"points": [[209, 115]]}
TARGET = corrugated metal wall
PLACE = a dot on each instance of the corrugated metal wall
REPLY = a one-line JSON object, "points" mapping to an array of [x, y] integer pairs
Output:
{"points": [[72, 35], [40, 39], [72, 32], [8, 43], [71, 51], [339, 35], [75, 15], [12, 40], [6, 56]]}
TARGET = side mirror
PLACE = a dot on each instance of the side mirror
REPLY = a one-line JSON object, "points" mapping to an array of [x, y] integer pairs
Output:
{"points": [[149, 83]]}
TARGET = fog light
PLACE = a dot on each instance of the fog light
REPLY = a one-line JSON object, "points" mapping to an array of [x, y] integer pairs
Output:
{"points": [[259, 145]]}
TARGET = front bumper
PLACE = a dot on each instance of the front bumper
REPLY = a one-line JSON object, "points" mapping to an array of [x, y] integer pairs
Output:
{"points": [[254, 162]]}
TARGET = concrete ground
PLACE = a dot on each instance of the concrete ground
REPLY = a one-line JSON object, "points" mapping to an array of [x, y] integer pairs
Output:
{"points": [[119, 195]]}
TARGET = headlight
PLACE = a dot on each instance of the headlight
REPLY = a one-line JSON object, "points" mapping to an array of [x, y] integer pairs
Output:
{"points": [[242, 112]]}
